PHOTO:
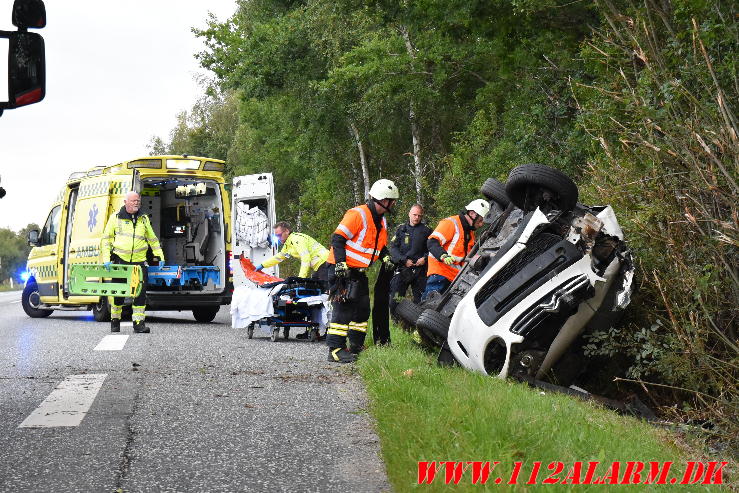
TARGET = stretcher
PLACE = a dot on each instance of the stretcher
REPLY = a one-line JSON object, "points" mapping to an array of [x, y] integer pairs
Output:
{"points": [[297, 302]]}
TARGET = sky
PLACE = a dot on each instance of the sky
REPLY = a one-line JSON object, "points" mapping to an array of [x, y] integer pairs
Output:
{"points": [[117, 74]]}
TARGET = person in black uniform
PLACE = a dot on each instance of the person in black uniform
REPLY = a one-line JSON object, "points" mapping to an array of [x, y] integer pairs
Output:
{"points": [[409, 252]]}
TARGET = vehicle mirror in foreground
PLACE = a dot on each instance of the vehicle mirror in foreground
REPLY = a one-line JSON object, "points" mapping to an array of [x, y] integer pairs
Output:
{"points": [[29, 14]]}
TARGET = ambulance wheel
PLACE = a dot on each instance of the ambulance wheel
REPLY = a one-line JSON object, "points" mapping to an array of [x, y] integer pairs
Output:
{"points": [[205, 314], [31, 300], [250, 331], [101, 310], [275, 334]]}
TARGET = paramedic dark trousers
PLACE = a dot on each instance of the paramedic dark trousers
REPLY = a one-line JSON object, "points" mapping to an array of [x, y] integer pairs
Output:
{"points": [[349, 318], [415, 277], [139, 303]]}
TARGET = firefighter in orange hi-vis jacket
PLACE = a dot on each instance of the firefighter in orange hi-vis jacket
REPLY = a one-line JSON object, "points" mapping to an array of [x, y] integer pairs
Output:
{"points": [[450, 243], [359, 240]]}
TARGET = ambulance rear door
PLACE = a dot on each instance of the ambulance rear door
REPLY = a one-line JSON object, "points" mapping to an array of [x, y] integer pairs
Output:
{"points": [[87, 217], [254, 217]]}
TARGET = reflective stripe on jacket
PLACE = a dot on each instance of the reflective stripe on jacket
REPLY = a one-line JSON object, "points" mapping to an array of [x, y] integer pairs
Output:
{"points": [[450, 234], [129, 240], [311, 253], [360, 232]]}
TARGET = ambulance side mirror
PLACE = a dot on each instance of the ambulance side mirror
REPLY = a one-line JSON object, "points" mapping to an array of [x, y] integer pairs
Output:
{"points": [[26, 56], [33, 237], [26, 69], [29, 13]]}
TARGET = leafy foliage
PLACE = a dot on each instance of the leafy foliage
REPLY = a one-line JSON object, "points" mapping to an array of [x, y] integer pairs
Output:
{"points": [[635, 101]]}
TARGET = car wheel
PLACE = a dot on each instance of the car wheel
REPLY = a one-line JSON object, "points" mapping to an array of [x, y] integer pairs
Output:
{"points": [[250, 331], [101, 310], [205, 315], [31, 300], [408, 312], [434, 325], [526, 183], [494, 190]]}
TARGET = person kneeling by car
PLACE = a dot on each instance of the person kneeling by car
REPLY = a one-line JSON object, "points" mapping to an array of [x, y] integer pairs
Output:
{"points": [[450, 243]]}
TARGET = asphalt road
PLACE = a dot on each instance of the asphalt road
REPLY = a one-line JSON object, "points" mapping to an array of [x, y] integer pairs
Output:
{"points": [[189, 407]]}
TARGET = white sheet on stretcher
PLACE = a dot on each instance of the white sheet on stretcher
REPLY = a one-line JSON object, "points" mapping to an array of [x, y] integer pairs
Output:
{"points": [[251, 303]]}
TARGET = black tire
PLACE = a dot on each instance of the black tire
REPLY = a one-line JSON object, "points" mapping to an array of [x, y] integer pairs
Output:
{"points": [[526, 180], [434, 325], [250, 331], [408, 312], [205, 314], [30, 299], [101, 310], [494, 190]]}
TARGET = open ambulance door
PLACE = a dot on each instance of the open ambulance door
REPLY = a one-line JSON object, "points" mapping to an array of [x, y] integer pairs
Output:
{"points": [[253, 219], [88, 211]]}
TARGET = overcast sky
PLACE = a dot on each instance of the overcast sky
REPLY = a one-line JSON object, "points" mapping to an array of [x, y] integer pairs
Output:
{"points": [[117, 73]]}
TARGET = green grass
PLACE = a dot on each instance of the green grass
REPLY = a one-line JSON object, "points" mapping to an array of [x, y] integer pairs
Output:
{"points": [[425, 413]]}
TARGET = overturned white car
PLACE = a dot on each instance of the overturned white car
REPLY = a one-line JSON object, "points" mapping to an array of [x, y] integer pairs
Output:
{"points": [[545, 271]]}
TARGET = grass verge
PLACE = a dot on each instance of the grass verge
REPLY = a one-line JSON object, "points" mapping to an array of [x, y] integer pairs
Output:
{"points": [[427, 413]]}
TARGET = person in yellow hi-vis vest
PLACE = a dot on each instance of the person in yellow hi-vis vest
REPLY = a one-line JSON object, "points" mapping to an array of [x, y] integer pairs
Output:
{"points": [[312, 254], [126, 239]]}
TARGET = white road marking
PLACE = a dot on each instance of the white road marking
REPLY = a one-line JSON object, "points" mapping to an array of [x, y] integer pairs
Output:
{"points": [[67, 404], [112, 343], [126, 324]]}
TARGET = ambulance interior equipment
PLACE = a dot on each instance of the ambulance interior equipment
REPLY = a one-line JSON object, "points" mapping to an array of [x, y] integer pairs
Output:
{"points": [[186, 217]]}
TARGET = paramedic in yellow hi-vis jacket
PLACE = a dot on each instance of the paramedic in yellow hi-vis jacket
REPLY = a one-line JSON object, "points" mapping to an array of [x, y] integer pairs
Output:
{"points": [[126, 239], [312, 254]]}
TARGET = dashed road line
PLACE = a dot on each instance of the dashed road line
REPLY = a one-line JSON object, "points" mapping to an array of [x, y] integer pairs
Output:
{"points": [[112, 343], [67, 404]]}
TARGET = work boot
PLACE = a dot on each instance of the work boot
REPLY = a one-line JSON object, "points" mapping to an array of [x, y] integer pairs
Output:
{"points": [[115, 324], [140, 328], [304, 335], [340, 355], [355, 350]]}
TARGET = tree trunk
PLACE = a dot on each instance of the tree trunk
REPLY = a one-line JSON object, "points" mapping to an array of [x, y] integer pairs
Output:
{"points": [[362, 157], [418, 167], [417, 164]]}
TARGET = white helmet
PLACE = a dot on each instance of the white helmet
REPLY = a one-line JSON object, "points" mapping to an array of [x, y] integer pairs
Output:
{"points": [[480, 206], [384, 189]]}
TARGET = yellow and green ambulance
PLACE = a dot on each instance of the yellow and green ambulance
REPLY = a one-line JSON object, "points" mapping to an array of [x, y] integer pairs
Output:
{"points": [[188, 205]]}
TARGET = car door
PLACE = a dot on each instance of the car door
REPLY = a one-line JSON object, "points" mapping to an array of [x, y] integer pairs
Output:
{"points": [[43, 259]]}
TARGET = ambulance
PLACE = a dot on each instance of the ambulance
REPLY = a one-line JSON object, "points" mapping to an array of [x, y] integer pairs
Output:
{"points": [[187, 201]]}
